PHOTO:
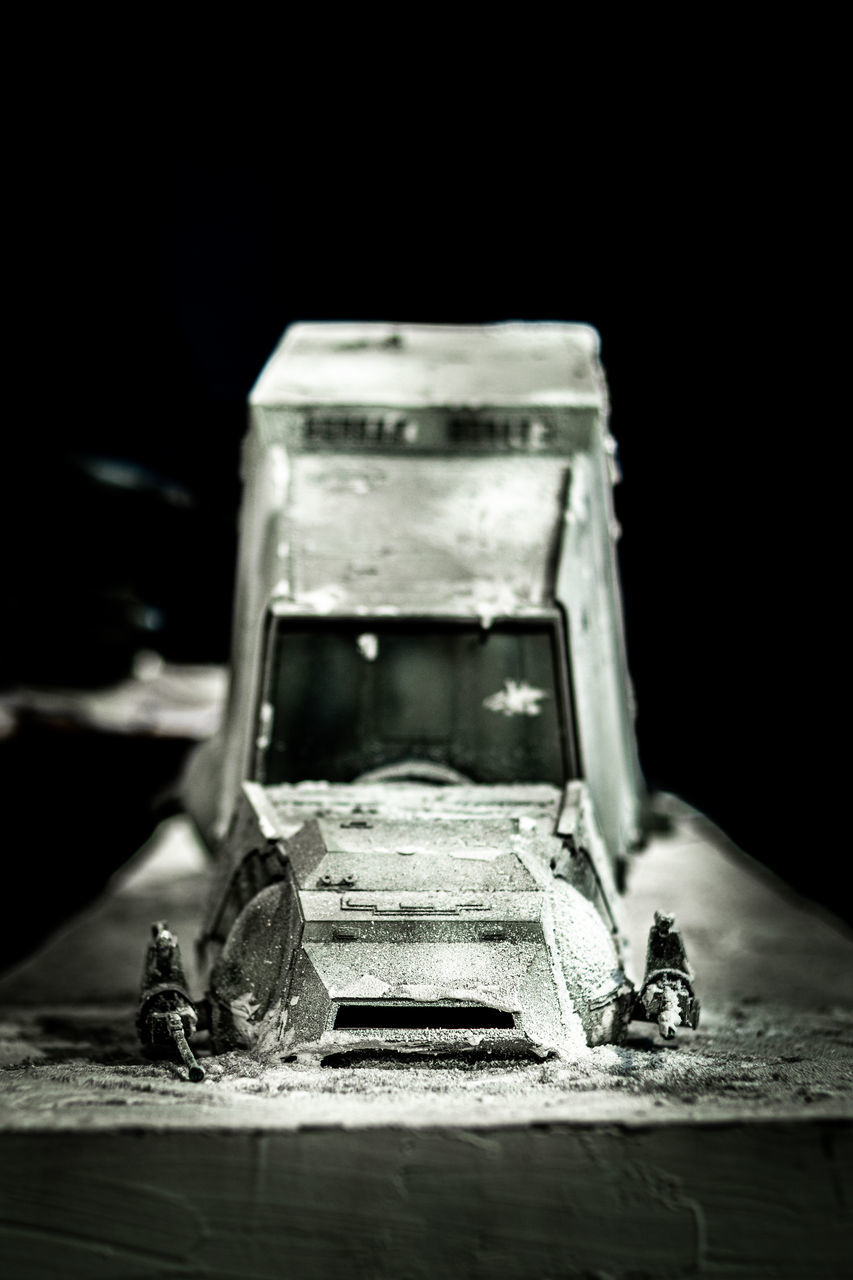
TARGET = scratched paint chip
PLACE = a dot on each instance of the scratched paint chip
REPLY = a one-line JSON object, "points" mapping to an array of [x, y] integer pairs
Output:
{"points": [[368, 645], [481, 853], [243, 1010], [516, 698], [366, 987]]}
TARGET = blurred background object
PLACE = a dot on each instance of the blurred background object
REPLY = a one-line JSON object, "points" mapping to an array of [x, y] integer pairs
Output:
{"points": [[153, 281]]}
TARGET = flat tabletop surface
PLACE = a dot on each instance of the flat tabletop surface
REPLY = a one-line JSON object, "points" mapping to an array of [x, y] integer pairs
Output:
{"points": [[774, 973]]}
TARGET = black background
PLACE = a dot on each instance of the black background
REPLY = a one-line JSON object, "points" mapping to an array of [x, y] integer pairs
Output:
{"points": [[156, 258]]}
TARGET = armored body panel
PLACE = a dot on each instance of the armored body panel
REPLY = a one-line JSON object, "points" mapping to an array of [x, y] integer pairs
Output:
{"points": [[416, 919]]}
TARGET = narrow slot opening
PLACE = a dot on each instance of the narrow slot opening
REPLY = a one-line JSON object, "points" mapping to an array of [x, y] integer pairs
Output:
{"points": [[424, 1017]]}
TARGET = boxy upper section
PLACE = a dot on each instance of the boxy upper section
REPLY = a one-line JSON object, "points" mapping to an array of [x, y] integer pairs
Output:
{"points": [[546, 364], [423, 472], [419, 468]]}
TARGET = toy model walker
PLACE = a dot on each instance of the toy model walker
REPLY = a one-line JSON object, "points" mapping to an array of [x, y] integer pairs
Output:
{"points": [[425, 790]]}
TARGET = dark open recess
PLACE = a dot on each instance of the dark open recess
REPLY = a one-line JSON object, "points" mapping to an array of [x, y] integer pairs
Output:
{"points": [[427, 689], [425, 1017]]}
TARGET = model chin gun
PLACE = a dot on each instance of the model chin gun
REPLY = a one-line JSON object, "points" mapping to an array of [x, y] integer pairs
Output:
{"points": [[167, 1016], [666, 996]]}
